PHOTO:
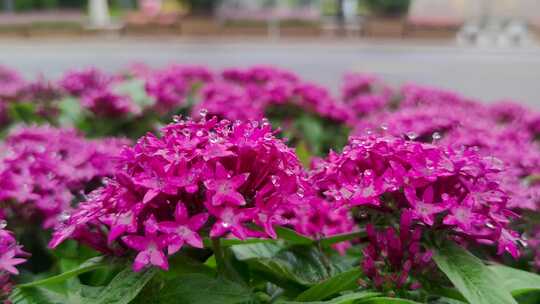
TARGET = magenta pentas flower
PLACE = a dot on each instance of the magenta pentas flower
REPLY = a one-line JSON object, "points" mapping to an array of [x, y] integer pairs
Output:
{"points": [[11, 255], [106, 103], [319, 218], [443, 189], [170, 87], [43, 169], [394, 258], [229, 101], [258, 75], [79, 82], [317, 99], [415, 95], [11, 84], [199, 178], [358, 84]]}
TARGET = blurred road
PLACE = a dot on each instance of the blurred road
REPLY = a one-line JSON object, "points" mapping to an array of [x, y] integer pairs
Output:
{"points": [[489, 74]]}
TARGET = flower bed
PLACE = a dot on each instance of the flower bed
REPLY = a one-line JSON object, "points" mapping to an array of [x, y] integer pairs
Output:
{"points": [[252, 185]]}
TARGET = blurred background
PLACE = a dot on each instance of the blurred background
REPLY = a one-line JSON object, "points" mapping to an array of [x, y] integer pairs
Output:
{"points": [[482, 48]]}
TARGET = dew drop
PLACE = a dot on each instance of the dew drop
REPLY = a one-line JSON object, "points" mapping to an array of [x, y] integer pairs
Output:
{"points": [[300, 192], [63, 217], [203, 113], [523, 243], [3, 224], [275, 180], [177, 118], [411, 135], [436, 136]]}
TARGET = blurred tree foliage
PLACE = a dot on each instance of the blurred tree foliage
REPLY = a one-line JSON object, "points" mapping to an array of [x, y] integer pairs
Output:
{"points": [[201, 7], [388, 7], [26, 5]]}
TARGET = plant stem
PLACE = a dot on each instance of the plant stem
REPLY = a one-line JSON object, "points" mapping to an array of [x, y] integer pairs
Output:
{"points": [[219, 256]]}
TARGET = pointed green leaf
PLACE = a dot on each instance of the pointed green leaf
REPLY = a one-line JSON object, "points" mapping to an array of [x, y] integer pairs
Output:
{"points": [[338, 283], [516, 280], [350, 298], [477, 283], [89, 265], [292, 236], [198, 288], [386, 300], [124, 287]]}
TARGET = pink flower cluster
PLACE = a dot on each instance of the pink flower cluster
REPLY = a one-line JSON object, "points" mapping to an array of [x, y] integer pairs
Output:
{"points": [[199, 178], [11, 84], [97, 92], [43, 169], [454, 189], [11, 255], [171, 86], [504, 130], [251, 93], [438, 188]]}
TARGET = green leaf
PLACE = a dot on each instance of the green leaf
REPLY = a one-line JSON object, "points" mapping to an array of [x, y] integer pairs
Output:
{"points": [[524, 286], [231, 242], [292, 236], [477, 283], [89, 265], [134, 88], [24, 111], [349, 298], [338, 283], [71, 291], [202, 289], [36, 295], [516, 280], [341, 238], [303, 153], [386, 300], [71, 112], [297, 267], [124, 287], [181, 264], [253, 251]]}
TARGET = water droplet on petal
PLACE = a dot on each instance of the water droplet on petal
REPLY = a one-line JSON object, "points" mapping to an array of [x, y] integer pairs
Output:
{"points": [[203, 113], [300, 192], [384, 127], [275, 180], [436, 136], [63, 217], [411, 135], [177, 118], [3, 224]]}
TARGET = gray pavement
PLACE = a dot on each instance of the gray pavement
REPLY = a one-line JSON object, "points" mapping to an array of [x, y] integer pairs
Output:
{"points": [[489, 74]]}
